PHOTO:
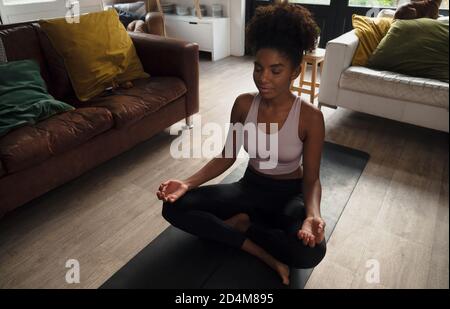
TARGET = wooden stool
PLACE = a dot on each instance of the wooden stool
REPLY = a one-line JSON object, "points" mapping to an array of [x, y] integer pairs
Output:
{"points": [[314, 58]]}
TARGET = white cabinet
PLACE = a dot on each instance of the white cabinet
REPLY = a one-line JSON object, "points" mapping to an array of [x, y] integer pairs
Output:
{"points": [[210, 33]]}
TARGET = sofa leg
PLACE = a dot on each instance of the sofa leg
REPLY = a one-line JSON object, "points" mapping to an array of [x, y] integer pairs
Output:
{"points": [[189, 123], [330, 106]]}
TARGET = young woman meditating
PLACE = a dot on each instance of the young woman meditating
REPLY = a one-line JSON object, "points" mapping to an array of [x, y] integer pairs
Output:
{"points": [[271, 213]]}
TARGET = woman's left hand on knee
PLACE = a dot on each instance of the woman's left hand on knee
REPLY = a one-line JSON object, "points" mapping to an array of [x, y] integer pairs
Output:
{"points": [[312, 231]]}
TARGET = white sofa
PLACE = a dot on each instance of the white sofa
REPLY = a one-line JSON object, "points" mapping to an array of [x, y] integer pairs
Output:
{"points": [[419, 101]]}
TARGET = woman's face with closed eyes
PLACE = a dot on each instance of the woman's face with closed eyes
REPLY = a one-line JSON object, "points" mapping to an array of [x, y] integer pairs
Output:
{"points": [[273, 73]]}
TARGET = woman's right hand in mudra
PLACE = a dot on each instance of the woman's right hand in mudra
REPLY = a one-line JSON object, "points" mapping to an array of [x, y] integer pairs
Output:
{"points": [[171, 190]]}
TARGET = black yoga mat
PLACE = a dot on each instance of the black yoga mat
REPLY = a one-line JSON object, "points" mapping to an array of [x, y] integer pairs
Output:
{"points": [[179, 260]]}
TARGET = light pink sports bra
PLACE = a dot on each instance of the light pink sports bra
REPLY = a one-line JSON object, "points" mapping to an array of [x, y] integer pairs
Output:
{"points": [[282, 151]]}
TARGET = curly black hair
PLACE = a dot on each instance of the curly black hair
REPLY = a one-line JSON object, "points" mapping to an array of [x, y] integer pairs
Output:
{"points": [[288, 28]]}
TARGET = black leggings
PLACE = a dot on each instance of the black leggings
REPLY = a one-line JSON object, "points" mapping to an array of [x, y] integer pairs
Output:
{"points": [[275, 208]]}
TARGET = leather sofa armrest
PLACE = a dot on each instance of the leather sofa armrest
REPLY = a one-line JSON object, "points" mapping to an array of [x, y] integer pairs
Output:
{"points": [[338, 58], [162, 56], [155, 23]]}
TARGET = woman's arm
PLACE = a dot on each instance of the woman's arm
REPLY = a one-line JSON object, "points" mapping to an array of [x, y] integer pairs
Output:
{"points": [[211, 170], [220, 164], [312, 154], [312, 231]]}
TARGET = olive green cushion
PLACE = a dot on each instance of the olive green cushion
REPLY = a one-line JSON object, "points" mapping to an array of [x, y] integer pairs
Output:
{"points": [[417, 47]]}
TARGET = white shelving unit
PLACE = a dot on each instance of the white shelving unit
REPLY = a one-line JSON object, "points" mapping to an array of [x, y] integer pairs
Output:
{"points": [[212, 34]]}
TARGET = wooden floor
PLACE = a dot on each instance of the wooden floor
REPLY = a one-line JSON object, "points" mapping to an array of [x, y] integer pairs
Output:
{"points": [[397, 215]]}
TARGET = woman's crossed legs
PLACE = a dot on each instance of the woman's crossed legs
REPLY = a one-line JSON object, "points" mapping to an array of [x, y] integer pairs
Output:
{"points": [[258, 221]]}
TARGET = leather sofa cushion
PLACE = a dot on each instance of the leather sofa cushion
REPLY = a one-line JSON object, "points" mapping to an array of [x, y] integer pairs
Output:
{"points": [[396, 86], [22, 42], [30, 42], [60, 86], [147, 96], [31, 145]]}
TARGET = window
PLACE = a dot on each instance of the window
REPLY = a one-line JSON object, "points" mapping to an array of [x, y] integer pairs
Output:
{"points": [[315, 2], [10, 2], [16, 11], [387, 3], [363, 3]]}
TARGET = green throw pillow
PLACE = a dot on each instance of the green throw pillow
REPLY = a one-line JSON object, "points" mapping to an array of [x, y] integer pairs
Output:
{"points": [[417, 47], [23, 96]]}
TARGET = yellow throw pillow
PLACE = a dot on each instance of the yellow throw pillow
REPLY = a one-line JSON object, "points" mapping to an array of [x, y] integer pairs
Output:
{"points": [[370, 32], [97, 51]]}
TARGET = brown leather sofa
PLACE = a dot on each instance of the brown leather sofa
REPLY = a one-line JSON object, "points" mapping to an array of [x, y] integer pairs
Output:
{"points": [[35, 159]]}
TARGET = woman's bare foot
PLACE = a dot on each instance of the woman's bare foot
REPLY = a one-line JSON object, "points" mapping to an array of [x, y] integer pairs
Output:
{"points": [[240, 222], [283, 271], [281, 268]]}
